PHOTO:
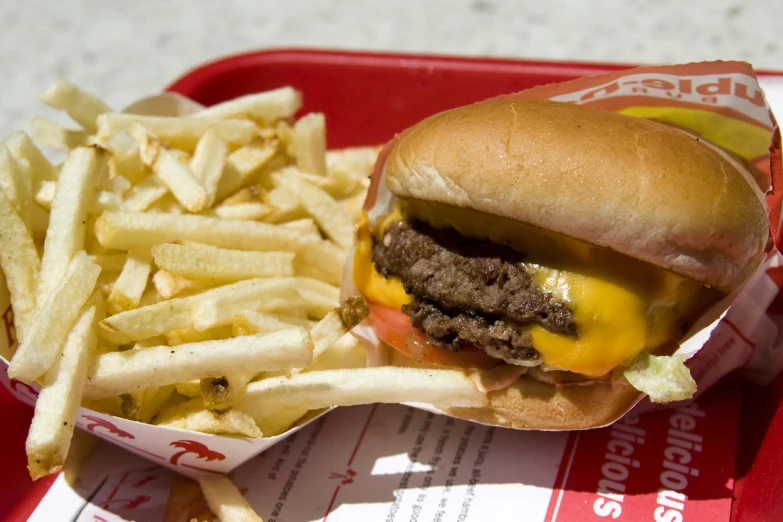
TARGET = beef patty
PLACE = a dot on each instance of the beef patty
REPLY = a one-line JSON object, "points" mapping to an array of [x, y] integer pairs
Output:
{"points": [[465, 289]]}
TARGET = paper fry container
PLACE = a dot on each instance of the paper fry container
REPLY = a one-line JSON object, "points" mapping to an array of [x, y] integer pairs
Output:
{"points": [[187, 452], [723, 104]]}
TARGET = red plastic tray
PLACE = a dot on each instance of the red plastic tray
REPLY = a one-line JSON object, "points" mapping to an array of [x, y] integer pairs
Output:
{"points": [[367, 98]]}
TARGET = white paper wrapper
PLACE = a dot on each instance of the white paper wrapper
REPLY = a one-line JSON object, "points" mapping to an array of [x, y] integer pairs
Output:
{"points": [[187, 452], [722, 103]]}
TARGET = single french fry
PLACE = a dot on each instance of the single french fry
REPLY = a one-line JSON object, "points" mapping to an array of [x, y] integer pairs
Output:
{"points": [[48, 330], [179, 132], [121, 372], [249, 194], [327, 212], [125, 156], [144, 194], [191, 335], [74, 197], [346, 352], [248, 322], [180, 181], [265, 107], [246, 211], [81, 106], [136, 231], [53, 135], [130, 285], [309, 143], [168, 204], [17, 184], [387, 384], [226, 501], [20, 264], [207, 262], [242, 165], [58, 401], [304, 226], [22, 148], [110, 262], [208, 163], [169, 285]]}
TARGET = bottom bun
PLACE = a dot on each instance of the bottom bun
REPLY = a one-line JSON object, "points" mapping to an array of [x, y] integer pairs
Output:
{"points": [[535, 405]]}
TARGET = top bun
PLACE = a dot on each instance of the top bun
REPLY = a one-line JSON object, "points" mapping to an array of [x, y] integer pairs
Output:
{"points": [[636, 186]]}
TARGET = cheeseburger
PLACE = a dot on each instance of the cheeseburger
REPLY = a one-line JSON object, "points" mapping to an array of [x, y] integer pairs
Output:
{"points": [[556, 253]]}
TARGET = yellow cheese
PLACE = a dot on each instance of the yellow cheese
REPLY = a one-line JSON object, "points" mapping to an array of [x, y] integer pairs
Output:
{"points": [[620, 306], [378, 289], [614, 323]]}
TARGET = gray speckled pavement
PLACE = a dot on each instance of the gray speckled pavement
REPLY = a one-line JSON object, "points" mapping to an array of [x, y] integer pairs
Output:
{"points": [[124, 50]]}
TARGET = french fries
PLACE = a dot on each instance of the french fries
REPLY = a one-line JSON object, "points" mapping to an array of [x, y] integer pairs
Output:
{"points": [[241, 221]]}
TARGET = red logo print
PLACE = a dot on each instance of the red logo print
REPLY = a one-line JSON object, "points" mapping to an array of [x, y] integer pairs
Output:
{"points": [[347, 477], [97, 422], [25, 390], [127, 503], [199, 450]]}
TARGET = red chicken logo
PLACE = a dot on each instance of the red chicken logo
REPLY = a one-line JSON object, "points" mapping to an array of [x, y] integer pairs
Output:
{"points": [[97, 422], [196, 448]]}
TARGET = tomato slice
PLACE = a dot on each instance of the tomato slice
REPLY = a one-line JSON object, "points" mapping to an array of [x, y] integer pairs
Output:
{"points": [[394, 328]]}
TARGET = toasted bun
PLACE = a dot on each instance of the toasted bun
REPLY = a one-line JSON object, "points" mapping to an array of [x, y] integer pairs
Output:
{"points": [[534, 405], [636, 186]]}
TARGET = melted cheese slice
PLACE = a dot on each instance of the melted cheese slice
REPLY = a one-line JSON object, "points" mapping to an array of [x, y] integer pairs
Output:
{"points": [[621, 306]]}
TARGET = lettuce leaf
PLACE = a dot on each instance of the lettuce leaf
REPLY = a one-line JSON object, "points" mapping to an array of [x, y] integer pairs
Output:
{"points": [[663, 378]]}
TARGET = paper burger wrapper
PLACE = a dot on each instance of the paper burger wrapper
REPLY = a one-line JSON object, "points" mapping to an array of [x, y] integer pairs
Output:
{"points": [[187, 452], [723, 104]]}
